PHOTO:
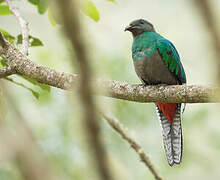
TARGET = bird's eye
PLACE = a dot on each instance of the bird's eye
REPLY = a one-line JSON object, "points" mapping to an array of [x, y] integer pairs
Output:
{"points": [[142, 22]]}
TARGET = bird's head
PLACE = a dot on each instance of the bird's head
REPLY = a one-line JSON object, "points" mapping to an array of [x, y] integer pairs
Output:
{"points": [[139, 26]]}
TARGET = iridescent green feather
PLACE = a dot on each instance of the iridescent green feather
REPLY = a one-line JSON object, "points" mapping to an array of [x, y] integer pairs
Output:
{"points": [[149, 43], [170, 57]]}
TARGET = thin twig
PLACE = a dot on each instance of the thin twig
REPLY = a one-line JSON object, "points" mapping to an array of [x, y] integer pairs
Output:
{"points": [[74, 32], [23, 25], [144, 158]]}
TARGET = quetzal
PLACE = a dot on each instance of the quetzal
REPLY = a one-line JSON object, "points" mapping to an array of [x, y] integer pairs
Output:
{"points": [[157, 61]]}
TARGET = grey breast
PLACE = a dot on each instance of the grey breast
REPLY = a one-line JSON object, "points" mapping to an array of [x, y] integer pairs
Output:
{"points": [[152, 71]]}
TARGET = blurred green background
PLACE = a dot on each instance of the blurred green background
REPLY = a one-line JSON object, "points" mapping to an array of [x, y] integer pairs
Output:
{"points": [[56, 122]]}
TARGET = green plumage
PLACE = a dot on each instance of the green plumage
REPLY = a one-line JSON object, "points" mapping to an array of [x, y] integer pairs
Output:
{"points": [[149, 43]]}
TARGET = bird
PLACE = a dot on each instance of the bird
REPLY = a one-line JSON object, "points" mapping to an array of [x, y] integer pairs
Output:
{"points": [[157, 62]]}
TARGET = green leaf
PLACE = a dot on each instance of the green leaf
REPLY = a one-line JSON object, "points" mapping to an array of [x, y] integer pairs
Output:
{"points": [[2, 1], [42, 86], [35, 2], [90, 10], [1, 62], [32, 40], [35, 41], [51, 18], [19, 39], [111, 0], [7, 35], [43, 6], [4, 10], [45, 97], [35, 94], [44, 89]]}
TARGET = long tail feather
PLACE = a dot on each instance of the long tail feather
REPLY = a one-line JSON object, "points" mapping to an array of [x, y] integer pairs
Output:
{"points": [[172, 134], [176, 134]]}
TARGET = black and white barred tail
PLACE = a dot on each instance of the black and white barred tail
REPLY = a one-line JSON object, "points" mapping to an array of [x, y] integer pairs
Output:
{"points": [[172, 136]]}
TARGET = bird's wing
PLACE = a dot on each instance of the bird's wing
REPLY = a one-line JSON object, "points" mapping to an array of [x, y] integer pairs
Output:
{"points": [[171, 58]]}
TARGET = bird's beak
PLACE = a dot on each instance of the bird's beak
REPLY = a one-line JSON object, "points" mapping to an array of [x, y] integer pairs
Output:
{"points": [[128, 28]]}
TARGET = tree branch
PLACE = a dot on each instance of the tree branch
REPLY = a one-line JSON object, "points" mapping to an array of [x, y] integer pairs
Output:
{"points": [[23, 66], [6, 71], [144, 158], [23, 25], [172, 94], [120, 90]]}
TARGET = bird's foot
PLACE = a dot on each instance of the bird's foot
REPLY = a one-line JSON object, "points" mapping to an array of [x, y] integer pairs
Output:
{"points": [[143, 85]]}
